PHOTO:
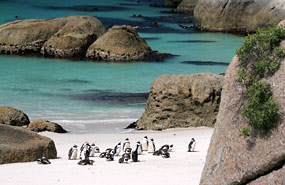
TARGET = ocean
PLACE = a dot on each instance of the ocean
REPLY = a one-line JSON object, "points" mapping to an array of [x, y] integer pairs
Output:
{"points": [[85, 96]]}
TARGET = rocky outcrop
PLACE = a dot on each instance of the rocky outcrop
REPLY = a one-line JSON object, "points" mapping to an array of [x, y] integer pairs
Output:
{"points": [[21, 145], [41, 125], [233, 159], [238, 15], [187, 6], [12, 116], [172, 3], [60, 37], [119, 43], [182, 101]]}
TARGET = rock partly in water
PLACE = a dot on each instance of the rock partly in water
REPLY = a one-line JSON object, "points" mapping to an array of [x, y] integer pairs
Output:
{"points": [[41, 125], [187, 6], [120, 43], [239, 16], [21, 145], [61, 37], [233, 159], [182, 101], [172, 3], [74, 37], [12, 116]]}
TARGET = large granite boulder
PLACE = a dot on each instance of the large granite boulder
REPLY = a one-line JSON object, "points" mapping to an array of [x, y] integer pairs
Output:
{"points": [[74, 37], [182, 101], [65, 36], [40, 125], [120, 43], [12, 116], [238, 15], [21, 145], [172, 3], [187, 6], [233, 159]]}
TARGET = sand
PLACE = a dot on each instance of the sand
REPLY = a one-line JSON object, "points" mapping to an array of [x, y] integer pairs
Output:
{"points": [[181, 168]]}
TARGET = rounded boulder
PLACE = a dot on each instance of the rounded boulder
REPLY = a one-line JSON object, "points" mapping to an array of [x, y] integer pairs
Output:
{"points": [[120, 43]]}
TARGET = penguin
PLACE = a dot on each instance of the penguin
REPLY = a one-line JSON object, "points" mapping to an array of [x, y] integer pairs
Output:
{"points": [[93, 150], [165, 153], [191, 146], [128, 151], [125, 158], [135, 153], [86, 151], [151, 146], [103, 154], [97, 150], [126, 144], [109, 155], [43, 160], [117, 149], [168, 147], [81, 149], [140, 151], [145, 143], [72, 154]]}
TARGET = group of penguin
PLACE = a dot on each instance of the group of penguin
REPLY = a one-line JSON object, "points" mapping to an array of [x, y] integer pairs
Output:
{"points": [[146, 145]]}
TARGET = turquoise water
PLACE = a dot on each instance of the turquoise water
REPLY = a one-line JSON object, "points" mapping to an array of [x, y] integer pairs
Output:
{"points": [[86, 96]]}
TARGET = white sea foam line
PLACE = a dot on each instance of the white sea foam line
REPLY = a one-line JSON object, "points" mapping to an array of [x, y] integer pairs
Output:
{"points": [[96, 121]]}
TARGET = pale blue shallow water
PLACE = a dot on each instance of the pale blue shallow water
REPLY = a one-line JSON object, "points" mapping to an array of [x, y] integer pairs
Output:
{"points": [[59, 90]]}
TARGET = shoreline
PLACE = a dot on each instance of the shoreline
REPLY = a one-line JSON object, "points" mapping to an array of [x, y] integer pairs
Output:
{"points": [[181, 168]]}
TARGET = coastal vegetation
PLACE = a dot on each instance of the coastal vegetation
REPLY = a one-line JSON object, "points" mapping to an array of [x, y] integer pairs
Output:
{"points": [[260, 57]]}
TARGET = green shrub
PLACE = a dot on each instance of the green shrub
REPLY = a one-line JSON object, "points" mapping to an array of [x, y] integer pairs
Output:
{"points": [[260, 57]]}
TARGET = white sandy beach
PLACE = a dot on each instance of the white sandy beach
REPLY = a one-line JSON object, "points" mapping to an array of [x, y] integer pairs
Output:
{"points": [[181, 168]]}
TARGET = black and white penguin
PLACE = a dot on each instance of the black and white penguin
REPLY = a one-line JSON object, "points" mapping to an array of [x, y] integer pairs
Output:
{"points": [[81, 149], [125, 158], [72, 153], [140, 151], [43, 160], [126, 144], [117, 149], [151, 146], [191, 146], [135, 153], [109, 155], [145, 143], [168, 147], [97, 149], [93, 150], [86, 151], [103, 154], [165, 153]]}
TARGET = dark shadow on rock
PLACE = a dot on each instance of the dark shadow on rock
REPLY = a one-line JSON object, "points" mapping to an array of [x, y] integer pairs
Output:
{"points": [[205, 63], [132, 125]]}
